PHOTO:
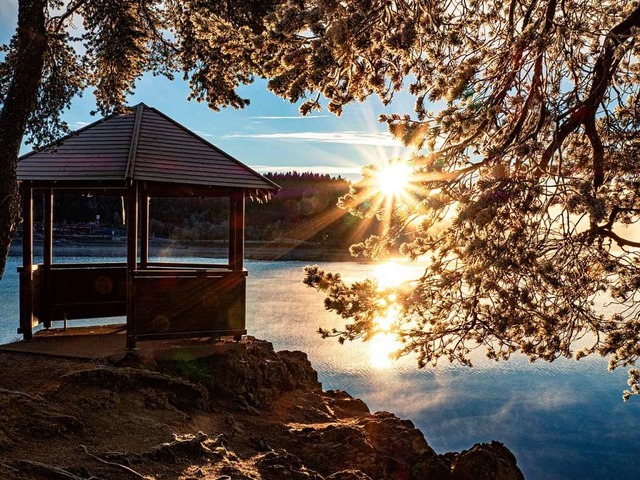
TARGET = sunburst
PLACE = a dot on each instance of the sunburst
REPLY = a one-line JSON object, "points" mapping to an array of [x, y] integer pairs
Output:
{"points": [[392, 178]]}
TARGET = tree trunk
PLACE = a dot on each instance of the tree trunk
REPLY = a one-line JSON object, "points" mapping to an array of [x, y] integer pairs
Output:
{"points": [[19, 102]]}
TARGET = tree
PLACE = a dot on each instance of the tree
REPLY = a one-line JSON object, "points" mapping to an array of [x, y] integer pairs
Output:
{"points": [[524, 175], [523, 179]]}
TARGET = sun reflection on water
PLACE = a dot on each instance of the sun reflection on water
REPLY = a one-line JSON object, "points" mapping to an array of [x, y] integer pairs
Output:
{"points": [[390, 274], [385, 322], [384, 344], [381, 348]]}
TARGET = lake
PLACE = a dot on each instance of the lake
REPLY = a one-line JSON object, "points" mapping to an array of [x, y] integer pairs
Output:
{"points": [[564, 420]]}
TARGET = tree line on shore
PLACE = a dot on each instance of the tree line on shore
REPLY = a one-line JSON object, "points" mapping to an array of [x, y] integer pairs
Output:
{"points": [[303, 211]]}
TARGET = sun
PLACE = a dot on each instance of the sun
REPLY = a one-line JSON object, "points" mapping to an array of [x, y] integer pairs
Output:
{"points": [[392, 179]]}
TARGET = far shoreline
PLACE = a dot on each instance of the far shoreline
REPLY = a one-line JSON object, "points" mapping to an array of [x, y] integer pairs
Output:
{"points": [[158, 248]]}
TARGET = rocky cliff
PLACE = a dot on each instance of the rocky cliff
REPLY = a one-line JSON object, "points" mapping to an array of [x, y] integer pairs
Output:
{"points": [[239, 411]]}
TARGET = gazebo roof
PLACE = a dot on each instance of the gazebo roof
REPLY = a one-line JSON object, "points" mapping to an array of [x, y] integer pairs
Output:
{"points": [[143, 144]]}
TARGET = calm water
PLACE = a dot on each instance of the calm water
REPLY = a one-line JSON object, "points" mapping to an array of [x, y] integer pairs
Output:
{"points": [[564, 420]]}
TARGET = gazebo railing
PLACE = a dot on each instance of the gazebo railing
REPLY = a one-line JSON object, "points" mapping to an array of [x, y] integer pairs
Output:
{"points": [[167, 300], [187, 302]]}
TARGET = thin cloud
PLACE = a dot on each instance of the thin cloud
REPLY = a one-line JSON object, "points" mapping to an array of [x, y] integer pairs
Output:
{"points": [[203, 134], [347, 137], [290, 117]]}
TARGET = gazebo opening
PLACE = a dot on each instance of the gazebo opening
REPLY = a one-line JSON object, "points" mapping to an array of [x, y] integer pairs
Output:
{"points": [[174, 234], [140, 156]]}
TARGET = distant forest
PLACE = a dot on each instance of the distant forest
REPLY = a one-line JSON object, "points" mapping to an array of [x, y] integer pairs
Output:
{"points": [[304, 210]]}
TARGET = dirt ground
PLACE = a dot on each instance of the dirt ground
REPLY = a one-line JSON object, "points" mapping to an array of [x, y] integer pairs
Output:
{"points": [[58, 424], [203, 410]]}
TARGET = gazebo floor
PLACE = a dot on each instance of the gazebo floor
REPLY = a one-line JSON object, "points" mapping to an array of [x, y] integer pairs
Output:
{"points": [[109, 342]]}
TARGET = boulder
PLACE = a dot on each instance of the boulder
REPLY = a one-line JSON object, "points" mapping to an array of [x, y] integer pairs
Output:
{"points": [[281, 465], [247, 378], [485, 461], [381, 446]]}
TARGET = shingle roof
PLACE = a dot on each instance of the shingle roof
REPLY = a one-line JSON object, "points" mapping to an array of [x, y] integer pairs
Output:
{"points": [[144, 144]]}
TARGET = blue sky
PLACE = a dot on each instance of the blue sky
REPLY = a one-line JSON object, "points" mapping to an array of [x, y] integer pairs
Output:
{"points": [[269, 134]]}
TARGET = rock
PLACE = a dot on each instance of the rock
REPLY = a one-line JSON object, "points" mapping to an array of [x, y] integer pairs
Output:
{"points": [[380, 445], [259, 444], [247, 378], [281, 465], [232, 424], [277, 424], [178, 392], [181, 446], [485, 461], [341, 402], [349, 475], [311, 407], [299, 366], [235, 473]]}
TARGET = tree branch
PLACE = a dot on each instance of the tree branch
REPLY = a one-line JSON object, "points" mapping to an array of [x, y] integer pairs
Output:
{"points": [[603, 70], [623, 242], [71, 9], [598, 151]]}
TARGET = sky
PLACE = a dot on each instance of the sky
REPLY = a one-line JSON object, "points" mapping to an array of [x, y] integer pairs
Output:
{"points": [[268, 135]]}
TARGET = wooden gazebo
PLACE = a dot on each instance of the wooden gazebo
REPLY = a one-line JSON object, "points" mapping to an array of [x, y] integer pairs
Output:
{"points": [[137, 155]]}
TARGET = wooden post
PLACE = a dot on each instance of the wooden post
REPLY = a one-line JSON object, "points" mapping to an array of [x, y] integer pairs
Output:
{"points": [[47, 257], [132, 260], [26, 277], [144, 228], [232, 243], [236, 231]]}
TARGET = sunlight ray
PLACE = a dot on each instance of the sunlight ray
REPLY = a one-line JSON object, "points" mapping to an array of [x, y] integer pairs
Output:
{"points": [[311, 227]]}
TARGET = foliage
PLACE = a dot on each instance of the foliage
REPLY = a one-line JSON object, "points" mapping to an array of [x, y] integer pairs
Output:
{"points": [[305, 209], [209, 42], [524, 179]]}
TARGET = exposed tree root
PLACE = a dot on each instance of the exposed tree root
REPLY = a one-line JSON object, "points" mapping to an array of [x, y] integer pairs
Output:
{"points": [[182, 446], [189, 446], [182, 393], [117, 465], [17, 393], [24, 414], [8, 467], [51, 471]]}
